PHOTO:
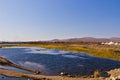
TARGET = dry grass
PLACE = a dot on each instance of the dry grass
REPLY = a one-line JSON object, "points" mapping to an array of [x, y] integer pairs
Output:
{"points": [[96, 74], [95, 49], [105, 51]]}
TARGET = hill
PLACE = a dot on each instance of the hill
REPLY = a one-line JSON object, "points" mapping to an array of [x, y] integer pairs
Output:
{"points": [[87, 39]]}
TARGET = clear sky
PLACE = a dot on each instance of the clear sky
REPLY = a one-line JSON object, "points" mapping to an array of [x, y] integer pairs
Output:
{"points": [[51, 19]]}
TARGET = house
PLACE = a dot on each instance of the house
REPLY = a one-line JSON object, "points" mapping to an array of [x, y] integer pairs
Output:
{"points": [[110, 43]]}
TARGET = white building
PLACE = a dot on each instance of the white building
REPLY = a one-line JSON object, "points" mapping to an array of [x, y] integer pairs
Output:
{"points": [[110, 43]]}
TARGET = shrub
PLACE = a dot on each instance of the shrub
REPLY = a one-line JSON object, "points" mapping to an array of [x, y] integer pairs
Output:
{"points": [[96, 74]]}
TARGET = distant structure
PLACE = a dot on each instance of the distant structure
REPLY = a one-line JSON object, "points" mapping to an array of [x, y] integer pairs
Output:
{"points": [[110, 43]]}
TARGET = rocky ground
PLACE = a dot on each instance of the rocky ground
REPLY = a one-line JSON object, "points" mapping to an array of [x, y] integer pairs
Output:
{"points": [[16, 74], [114, 74]]}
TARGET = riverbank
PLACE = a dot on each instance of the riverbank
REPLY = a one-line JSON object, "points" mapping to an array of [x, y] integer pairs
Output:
{"points": [[21, 75], [16, 74], [94, 49]]}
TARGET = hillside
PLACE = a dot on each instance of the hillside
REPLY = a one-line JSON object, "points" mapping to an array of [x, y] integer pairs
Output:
{"points": [[87, 39]]}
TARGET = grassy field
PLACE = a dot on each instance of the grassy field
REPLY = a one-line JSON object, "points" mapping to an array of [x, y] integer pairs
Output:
{"points": [[95, 49]]}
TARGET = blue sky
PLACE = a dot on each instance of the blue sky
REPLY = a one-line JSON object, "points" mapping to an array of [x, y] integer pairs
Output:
{"points": [[51, 19]]}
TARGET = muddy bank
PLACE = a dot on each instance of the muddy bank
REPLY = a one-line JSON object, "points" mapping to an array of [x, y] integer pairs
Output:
{"points": [[16, 74], [5, 62]]}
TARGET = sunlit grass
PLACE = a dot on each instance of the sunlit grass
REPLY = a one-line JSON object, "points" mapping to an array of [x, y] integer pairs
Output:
{"points": [[103, 51]]}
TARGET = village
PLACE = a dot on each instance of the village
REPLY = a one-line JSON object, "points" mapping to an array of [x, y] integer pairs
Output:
{"points": [[111, 43]]}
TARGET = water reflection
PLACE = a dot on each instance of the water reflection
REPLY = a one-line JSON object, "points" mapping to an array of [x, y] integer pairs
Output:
{"points": [[54, 61]]}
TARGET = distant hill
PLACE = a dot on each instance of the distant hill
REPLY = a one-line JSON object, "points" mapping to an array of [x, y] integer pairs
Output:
{"points": [[84, 39], [87, 39]]}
